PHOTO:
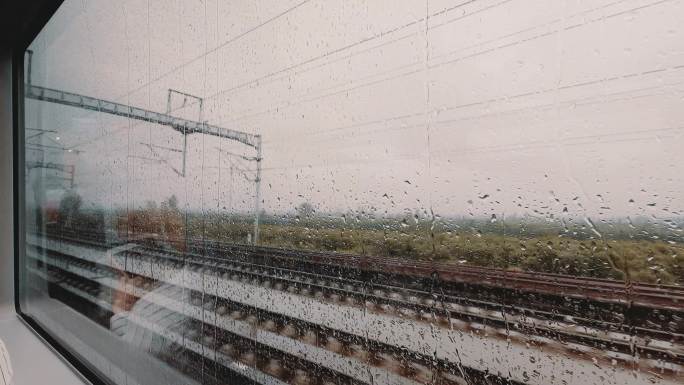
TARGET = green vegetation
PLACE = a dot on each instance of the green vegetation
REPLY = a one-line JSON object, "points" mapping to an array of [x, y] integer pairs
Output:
{"points": [[640, 251], [540, 249]]}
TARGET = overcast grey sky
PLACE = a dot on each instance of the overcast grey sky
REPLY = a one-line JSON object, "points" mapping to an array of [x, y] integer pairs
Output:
{"points": [[453, 107]]}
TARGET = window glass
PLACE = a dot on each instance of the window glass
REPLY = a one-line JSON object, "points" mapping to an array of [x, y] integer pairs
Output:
{"points": [[359, 192]]}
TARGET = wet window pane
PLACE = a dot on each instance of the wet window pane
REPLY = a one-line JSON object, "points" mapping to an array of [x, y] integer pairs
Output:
{"points": [[359, 192]]}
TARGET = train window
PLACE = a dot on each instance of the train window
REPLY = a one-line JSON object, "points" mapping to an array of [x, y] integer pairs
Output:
{"points": [[359, 192]]}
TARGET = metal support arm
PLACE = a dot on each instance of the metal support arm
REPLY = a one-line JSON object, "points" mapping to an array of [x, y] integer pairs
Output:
{"points": [[181, 125]]}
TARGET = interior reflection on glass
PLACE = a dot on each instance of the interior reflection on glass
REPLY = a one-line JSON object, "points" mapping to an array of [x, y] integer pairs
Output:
{"points": [[368, 192]]}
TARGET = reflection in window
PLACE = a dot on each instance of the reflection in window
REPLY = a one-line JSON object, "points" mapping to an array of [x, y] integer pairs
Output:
{"points": [[369, 192]]}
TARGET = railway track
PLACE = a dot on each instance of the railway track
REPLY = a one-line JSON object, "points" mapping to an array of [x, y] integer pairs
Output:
{"points": [[668, 297], [598, 289], [421, 304], [240, 334], [401, 303], [614, 313], [427, 307], [619, 316]]}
